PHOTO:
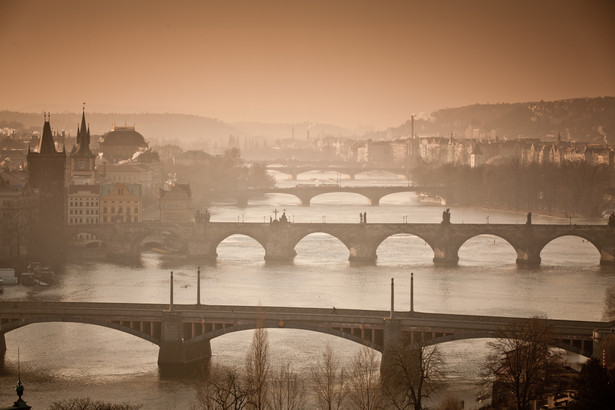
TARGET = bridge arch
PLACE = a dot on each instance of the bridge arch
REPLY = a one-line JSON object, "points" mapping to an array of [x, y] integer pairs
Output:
{"points": [[8, 327], [468, 241], [215, 243], [399, 235], [585, 238], [158, 235], [334, 242], [345, 191], [569, 347], [348, 335]]}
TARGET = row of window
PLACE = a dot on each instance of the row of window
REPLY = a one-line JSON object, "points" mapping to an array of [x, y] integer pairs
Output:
{"points": [[81, 220], [120, 218], [120, 210], [80, 211], [80, 203]]}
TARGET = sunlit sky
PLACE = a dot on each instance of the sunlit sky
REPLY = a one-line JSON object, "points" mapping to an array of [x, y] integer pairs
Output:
{"points": [[347, 62]]}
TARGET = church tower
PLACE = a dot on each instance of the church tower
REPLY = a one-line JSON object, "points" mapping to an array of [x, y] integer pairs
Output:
{"points": [[82, 171], [46, 170]]}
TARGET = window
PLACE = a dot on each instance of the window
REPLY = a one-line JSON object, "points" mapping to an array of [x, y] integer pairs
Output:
{"points": [[136, 210], [104, 219], [105, 210], [112, 209]]}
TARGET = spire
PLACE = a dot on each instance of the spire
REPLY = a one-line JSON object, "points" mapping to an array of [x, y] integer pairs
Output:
{"points": [[46, 145], [83, 138]]}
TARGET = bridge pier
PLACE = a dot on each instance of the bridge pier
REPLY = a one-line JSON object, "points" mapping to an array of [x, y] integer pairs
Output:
{"points": [[392, 335], [374, 200], [607, 256], [174, 352], [280, 243], [528, 257], [362, 253], [445, 255], [279, 252], [2, 348]]}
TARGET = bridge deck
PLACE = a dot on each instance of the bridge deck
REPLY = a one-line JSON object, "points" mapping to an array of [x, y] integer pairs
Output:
{"points": [[339, 317]]}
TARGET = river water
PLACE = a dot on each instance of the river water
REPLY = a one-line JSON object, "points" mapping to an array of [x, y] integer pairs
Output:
{"points": [[64, 360]]}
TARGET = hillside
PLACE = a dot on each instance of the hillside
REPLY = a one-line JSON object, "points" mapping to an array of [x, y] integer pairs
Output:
{"points": [[190, 131], [578, 119]]}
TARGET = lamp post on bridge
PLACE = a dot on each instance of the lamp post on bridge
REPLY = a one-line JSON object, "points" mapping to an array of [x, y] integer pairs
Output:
{"points": [[198, 285], [171, 293], [392, 298], [411, 292]]}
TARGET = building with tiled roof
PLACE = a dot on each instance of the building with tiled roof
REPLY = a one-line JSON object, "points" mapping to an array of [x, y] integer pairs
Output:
{"points": [[120, 203]]}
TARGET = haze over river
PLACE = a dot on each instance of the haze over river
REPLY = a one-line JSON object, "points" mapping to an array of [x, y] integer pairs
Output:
{"points": [[65, 360]]}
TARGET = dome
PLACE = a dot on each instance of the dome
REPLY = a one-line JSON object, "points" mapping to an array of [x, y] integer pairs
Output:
{"points": [[126, 136]]}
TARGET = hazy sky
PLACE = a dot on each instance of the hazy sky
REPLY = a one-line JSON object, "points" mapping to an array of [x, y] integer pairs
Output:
{"points": [[348, 62]]}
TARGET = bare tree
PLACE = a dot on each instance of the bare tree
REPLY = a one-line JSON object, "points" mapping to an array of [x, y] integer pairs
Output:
{"points": [[287, 390], [520, 360], [364, 383], [257, 367], [329, 381], [221, 389], [415, 371], [89, 404]]}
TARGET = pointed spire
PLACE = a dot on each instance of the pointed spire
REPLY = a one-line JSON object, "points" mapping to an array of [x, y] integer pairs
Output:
{"points": [[46, 145]]}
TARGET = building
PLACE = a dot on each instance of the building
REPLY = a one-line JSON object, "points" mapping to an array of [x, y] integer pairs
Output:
{"points": [[46, 168], [121, 143], [176, 204], [129, 174], [120, 203], [46, 176], [81, 160], [83, 205]]}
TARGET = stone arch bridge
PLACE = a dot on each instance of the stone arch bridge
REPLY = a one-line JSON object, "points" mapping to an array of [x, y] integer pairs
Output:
{"points": [[362, 240], [183, 332], [305, 193], [295, 170]]}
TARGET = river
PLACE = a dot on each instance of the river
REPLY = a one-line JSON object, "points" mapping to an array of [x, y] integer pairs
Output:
{"points": [[64, 360]]}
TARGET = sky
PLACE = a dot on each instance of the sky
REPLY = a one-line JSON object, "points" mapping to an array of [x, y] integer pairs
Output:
{"points": [[344, 62]]}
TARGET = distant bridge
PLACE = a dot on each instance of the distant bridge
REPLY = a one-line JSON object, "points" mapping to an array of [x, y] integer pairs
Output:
{"points": [[305, 193], [183, 332], [362, 240], [351, 171]]}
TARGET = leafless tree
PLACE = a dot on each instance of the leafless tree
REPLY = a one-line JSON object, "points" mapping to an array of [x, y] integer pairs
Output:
{"points": [[257, 367], [415, 371], [520, 360], [88, 404], [364, 382], [222, 388], [329, 381], [287, 390]]}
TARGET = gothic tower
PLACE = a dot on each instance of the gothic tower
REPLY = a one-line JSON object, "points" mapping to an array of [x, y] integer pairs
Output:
{"points": [[46, 170], [82, 160]]}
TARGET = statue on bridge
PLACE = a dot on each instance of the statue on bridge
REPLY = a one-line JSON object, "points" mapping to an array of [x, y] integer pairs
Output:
{"points": [[446, 216], [529, 219], [200, 217], [612, 219]]}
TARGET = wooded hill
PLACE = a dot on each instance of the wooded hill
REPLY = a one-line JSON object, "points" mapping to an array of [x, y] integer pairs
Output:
{"points": [[578, 119]]}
